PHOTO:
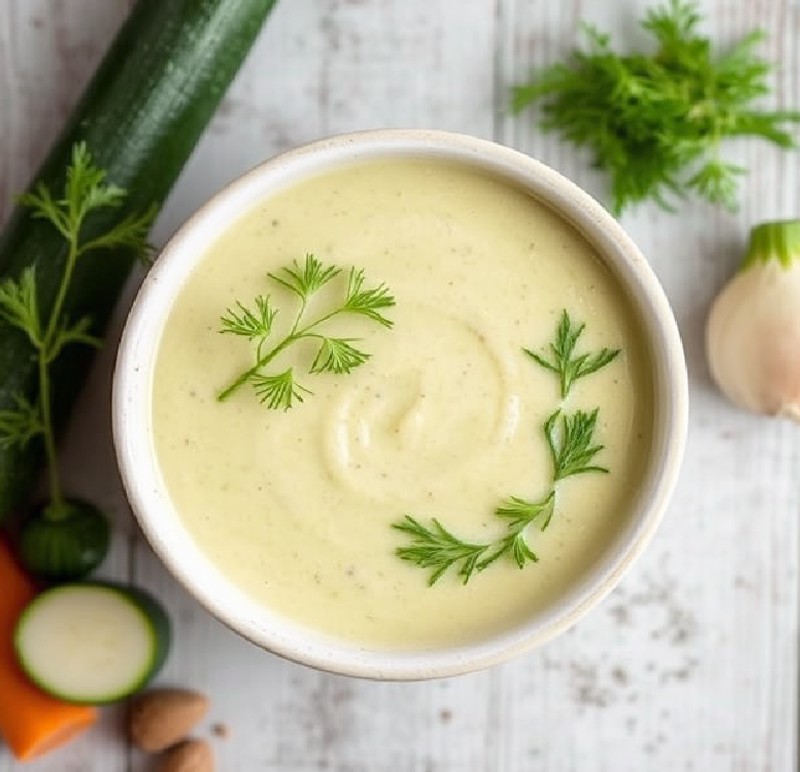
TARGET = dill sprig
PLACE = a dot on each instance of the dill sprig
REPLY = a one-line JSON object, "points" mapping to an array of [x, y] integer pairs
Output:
{"points": [[436, 548], [572, 452], [565, 364], [280, 391], [571, 446], [655, 121], [85, 192]]}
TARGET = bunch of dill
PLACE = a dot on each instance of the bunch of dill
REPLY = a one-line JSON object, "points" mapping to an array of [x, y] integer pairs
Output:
{"points": [[655, 121]]}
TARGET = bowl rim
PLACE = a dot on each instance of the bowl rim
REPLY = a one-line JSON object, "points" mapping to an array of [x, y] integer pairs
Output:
{"points": [[136, 356]]}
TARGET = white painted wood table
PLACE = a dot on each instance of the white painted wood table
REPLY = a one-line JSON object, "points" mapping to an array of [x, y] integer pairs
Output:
{"points": [[692, 663]]}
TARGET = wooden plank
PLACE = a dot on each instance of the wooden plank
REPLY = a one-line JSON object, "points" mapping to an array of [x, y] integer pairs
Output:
{"points": [[692, 663], [47, 53]]}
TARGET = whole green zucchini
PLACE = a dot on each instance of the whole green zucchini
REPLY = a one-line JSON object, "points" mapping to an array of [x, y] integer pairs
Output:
{"points": [[140, 117]]}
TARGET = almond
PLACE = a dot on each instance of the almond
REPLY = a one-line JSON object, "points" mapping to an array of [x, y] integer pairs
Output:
{"points": [[188, 756], [162, 717]]}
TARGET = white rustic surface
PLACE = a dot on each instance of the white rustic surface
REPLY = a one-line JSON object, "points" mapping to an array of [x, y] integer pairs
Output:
{"points": [[692, 663]]}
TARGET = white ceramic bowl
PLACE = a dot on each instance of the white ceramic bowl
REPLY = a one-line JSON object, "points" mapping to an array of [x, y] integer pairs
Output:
{"points": [[137, 355]]}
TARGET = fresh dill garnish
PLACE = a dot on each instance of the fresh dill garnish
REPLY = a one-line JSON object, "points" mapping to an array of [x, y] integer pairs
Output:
{"points": [[571, 446], [655, 121], [569, 367], [437, 548], [335, 355], [248, 323], [85, 192], [367, 302], [278, 392], [572, 451], [520, 513]]}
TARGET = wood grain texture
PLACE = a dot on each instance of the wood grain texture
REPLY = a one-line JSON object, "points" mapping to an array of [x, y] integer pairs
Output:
{"points": [[692, 663]]}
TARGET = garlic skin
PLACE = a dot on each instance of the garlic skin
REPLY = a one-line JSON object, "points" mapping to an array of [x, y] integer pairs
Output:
{"points": [[753, 330]]}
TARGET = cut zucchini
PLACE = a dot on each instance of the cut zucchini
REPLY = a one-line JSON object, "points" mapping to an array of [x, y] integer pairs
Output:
{"points": [[92, 642], [65, 545]]}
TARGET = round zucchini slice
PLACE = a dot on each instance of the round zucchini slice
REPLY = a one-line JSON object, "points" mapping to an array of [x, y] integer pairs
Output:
{"points": [[92, 642]]}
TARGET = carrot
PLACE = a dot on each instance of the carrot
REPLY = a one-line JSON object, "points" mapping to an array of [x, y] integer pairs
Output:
{"points": [[31, 722]]}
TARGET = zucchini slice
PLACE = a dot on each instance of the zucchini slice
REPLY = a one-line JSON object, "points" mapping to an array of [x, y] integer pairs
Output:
{"points": [[92, 642]]}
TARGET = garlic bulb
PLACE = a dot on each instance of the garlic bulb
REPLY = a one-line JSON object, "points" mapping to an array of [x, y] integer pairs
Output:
{"points": [[753, 330]]}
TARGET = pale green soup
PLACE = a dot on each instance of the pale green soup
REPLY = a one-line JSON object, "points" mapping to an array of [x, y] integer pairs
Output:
{"points": [[444, 420]]}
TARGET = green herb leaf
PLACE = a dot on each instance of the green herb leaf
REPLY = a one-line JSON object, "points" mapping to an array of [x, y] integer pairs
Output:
{"points": [[306, 280], [571, 445], [19, 306], [336, 355], [716, 181], [20, 424], [568, 367], [75, 333], [438, 549], [513, 545], [368, 302], [278, 392], [655, 122], [522, 512], [249, 323], [86, 191], [43, 207], [130, 232]]}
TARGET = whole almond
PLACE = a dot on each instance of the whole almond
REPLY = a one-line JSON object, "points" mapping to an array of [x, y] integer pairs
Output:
{"points": [[162, 717], [188, 756]]}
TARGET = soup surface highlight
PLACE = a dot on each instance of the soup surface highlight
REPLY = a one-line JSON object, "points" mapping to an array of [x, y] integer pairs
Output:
{"points": [[444, 420]]}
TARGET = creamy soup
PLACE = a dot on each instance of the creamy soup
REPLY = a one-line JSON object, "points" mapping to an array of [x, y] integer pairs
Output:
{"points": [[444, 420]]}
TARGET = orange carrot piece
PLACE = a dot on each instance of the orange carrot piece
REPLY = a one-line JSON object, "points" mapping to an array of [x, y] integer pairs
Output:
{"points": [[31, 722]]}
